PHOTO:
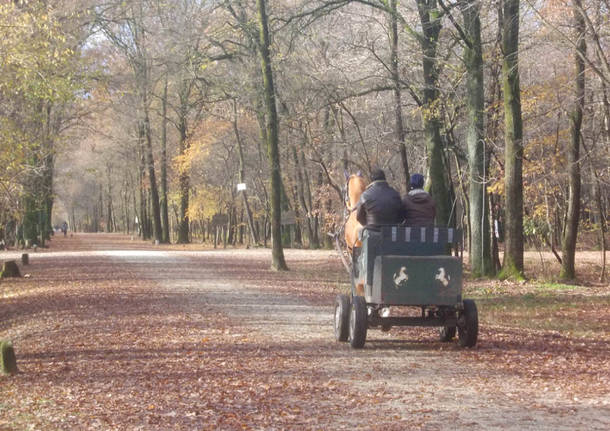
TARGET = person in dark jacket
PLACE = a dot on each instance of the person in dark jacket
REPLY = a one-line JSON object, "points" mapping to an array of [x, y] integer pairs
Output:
{"points": [[418, 204], [379, 204]]}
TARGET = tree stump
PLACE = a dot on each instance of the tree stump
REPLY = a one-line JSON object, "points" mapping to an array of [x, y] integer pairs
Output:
{"points": [[25, 259], [10, 269], [8, 361]]}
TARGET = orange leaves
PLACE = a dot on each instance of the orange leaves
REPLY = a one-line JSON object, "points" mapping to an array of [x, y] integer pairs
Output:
{"points": [[176, 339]]}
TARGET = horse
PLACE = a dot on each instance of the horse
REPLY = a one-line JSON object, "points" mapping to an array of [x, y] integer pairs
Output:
{"points": [[354, 187]]}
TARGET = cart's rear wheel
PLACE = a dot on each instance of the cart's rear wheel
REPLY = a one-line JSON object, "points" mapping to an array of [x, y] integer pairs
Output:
{"points": [[342, 312], [468, 328], [358, 322], [446, 333]]}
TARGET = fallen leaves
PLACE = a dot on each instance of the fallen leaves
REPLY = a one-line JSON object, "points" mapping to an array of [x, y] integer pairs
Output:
{"points": [[119, 343]]}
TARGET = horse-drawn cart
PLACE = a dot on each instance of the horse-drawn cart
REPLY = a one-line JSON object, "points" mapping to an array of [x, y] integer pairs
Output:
{"points": [[406, 266]]}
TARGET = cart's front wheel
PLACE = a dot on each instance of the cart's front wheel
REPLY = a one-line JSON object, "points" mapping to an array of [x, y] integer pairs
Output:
{"points": [[446, 333], [358, 322], [468, 324], [342, 312]]}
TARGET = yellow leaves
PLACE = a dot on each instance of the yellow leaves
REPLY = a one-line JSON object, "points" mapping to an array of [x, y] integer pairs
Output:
{"points": [[204, 203], [36, 53], [432, 111], [496, 188], [199, 146]]}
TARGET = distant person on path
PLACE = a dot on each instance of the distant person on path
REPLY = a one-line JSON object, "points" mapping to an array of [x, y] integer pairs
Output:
{"points": [[64, 228], [419, 205]]}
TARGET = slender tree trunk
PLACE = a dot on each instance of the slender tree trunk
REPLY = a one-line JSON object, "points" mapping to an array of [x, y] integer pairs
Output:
{"points": [[465, 199], [109, 224], [229, 226], [600, 200], [30, 220], [495, 252], [602, 227], [399, 130], [312, 217], [513, 251], [242, 175], [568, 250], [278, 261], [100, 209], [185, 186], [125, 208], [480, 253], [163, 198], [154, 192], [301, 195], [143, 224], [47, 193], [437, 184], [493, 121]]}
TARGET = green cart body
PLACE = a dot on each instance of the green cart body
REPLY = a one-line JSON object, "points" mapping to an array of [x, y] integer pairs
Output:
{"points": [[406, 266]]}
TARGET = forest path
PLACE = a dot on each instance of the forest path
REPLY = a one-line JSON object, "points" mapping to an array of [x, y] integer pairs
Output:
{"points": [[118, 334]]}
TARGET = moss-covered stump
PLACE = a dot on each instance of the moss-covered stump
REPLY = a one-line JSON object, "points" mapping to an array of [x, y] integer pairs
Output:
{"points": [[8, 361], [10, 269]]}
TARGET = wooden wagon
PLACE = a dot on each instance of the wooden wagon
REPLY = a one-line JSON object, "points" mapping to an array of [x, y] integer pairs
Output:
{"points": [[400, 266]]}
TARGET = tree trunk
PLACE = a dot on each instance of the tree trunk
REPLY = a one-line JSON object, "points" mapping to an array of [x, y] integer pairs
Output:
{"points": [[109, 224], [242, 176], [513, 152], [568, 249], [602, 228], [312, 216], [229, 226], [30, 221], [495, 217], [480, 253], [46, 182], [142, 226], [600, 200], [154, 192], [437, 184], [399, 130], [300, 192], [184, 180], [278, 261], [163, 197]]}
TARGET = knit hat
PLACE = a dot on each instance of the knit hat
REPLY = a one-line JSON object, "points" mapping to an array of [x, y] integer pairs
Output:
{"points": [[417, 181], [377, 174]]}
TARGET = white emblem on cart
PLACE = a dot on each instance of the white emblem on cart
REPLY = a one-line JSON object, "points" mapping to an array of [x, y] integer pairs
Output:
{"points": [[401, 277], [443, 277]]}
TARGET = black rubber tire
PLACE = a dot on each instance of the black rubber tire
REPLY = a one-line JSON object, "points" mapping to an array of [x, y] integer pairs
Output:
{"points": [[468, 330], [447, 333], [358, 322], [342, 310]]}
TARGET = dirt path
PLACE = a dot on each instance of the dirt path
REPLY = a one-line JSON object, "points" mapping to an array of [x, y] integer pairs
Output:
{"points": [[115, 336]]}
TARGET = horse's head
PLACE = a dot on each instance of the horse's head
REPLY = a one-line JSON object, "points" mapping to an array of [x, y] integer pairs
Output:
{"points": [[354, 186]]}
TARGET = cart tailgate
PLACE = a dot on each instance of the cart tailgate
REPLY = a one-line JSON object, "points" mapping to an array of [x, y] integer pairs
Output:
{"points": [[416, 280]]}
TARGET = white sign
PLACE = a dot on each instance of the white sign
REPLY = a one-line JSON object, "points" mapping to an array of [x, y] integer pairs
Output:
{"points": [[241, 187]]}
